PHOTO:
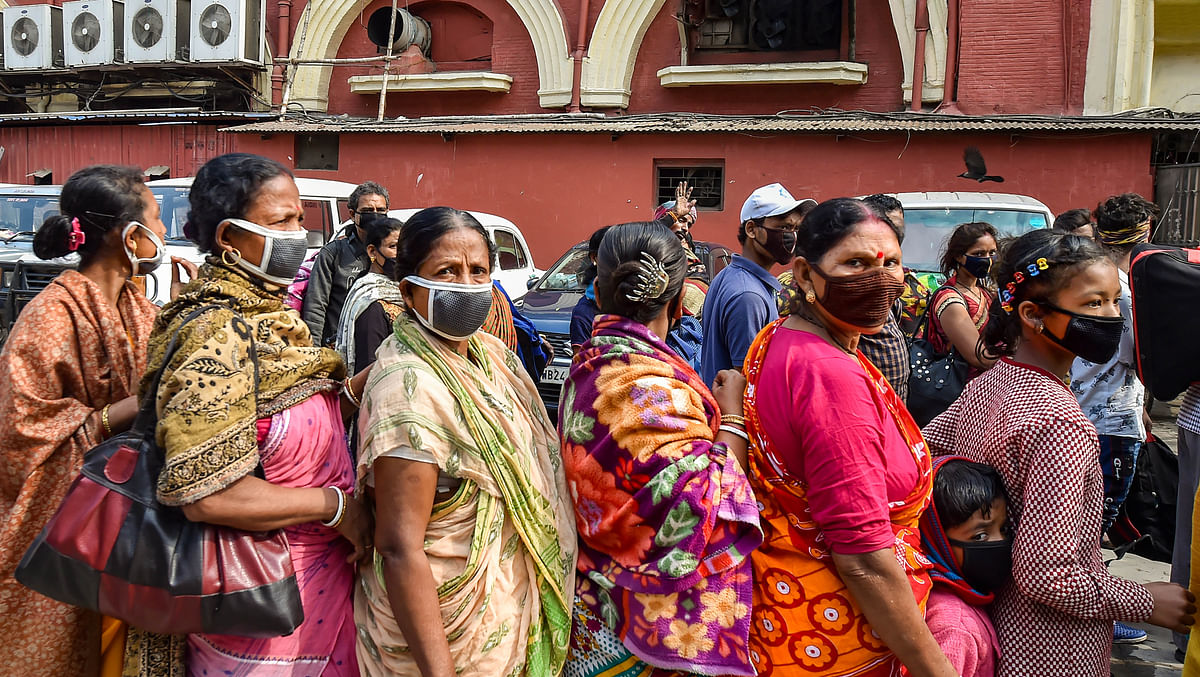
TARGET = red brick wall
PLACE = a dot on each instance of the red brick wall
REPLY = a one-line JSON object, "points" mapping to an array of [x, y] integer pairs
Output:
{"points": [[1014, 54]]}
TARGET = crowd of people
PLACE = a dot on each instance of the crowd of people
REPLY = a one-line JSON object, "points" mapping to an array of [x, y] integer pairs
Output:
{"points": [[734, 484]]}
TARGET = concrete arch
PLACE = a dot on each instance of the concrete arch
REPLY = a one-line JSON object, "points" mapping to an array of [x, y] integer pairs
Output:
{"points": [[329, 20], [608, 68], [904, 14]]}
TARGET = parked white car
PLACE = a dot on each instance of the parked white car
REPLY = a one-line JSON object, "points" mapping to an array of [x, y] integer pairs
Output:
{"points": [[516, 267], [929, 219]]}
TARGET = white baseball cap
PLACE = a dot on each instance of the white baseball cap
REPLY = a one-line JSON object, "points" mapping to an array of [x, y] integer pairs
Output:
{"points": [[771, 200]]}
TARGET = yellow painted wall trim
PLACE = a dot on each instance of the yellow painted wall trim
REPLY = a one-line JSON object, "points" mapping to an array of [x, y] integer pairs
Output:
{"points": [[455, 81], [616, 39], [1120, 56], [329, 20], [825, 72], [904, 14]]}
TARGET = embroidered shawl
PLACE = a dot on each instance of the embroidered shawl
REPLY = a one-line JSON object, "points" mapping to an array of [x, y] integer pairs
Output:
{"points": [[207, 400], [69, 354], [666, 518], [367, 289], [502, 549]]}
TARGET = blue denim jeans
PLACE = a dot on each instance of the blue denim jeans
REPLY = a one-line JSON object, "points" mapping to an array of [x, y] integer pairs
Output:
{"points": [[1118, 460]]}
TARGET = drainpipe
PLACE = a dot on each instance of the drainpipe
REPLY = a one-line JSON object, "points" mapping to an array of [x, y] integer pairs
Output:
{"points": [[950, 82], [283, 47], [577, 55], [922, 26]]}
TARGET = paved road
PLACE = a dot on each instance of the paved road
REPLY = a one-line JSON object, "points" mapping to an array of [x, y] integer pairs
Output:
{"points": [[1156, 656]]}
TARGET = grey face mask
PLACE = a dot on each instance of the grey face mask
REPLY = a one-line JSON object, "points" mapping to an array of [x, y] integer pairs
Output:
{"points": [[454, 311], [283, 252]]}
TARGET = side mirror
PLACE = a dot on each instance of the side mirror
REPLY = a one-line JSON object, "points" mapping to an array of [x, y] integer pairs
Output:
{"points": [[531, 282]]}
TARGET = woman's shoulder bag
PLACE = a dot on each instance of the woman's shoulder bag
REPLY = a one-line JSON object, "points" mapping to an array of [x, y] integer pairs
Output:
{"points": [[113, 548], [936, 379]]}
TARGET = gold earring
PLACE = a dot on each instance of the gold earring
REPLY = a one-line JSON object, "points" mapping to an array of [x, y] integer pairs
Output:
{"points": [[1040, 327], [225, 257], [810, 297]]}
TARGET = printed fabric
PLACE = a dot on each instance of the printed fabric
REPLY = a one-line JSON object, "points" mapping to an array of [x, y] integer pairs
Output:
{"points": [[368, 289], [208, 401], [502, 548], [805, 621], [666, 517], [945, 297], [69, 354]]}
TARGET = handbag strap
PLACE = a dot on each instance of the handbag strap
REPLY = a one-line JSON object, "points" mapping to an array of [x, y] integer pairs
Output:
{"points": [[147, 416]]}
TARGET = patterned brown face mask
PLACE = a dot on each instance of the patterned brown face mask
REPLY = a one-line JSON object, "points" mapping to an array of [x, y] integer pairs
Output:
{"points": [[862, 300]]}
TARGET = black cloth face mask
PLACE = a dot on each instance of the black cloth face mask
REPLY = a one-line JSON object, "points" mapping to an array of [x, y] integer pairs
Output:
{"points": [[986, 565], [780, 244], [389, 267], [1091, 337], [979, 266]]}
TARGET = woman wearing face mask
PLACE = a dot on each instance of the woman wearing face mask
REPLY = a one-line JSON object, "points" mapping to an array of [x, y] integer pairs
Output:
{"points": [[70, 368], [958, 310], [1058, 300], [474, 541], [254, 440], [839, 468], [374, 301]]}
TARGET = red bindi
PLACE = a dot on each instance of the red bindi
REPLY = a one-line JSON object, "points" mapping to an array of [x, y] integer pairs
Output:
{"points": [[879, 255]]}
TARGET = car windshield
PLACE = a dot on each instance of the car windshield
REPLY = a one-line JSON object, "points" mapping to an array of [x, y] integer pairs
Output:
{"points": [[20, 215], [173, 202], [926, 230], [566, 274]]}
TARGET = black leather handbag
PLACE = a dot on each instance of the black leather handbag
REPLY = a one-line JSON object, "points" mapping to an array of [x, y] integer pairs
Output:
{"points": [[112, 547], [936, 379]]}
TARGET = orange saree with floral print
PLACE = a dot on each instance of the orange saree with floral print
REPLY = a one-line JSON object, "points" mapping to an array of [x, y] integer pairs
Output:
{"points": [[804, 619]]}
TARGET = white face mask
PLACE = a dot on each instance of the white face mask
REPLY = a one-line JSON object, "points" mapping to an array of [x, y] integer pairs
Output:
{"points": [[454, 311], [283, 252], [144, 265]]}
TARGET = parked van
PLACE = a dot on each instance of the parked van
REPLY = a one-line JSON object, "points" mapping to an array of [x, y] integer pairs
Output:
{"points": [[929, 218], [516, 271]]}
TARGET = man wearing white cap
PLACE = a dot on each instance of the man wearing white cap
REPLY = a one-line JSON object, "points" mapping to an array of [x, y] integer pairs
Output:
{"points": [[741, 299]]}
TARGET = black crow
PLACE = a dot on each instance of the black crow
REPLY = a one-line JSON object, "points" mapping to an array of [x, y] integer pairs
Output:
{"points": [[976, 169]]}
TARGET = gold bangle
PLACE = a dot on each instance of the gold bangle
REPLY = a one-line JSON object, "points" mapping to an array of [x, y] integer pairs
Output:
{"points": [[734, 419], [346, 388], [104, 421]]}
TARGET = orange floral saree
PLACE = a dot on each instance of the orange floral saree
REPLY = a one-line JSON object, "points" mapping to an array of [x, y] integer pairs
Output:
{"points": [[804, 620]]}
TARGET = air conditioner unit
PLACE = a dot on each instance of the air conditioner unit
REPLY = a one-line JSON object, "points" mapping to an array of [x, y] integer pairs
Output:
{"points": [[227, 31], [157, 31], [94, 32], [33, 37]]}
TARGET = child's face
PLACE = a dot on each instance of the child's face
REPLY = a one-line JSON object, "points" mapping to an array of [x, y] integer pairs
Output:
{"points": [[994, 527]]}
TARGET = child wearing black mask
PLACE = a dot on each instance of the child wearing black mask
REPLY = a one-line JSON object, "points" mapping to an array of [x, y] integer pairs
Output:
{"points": [[966, 534], [1057, 300]]}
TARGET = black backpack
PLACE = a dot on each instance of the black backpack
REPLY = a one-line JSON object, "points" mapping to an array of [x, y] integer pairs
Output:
{"points": [[1146, 523]]}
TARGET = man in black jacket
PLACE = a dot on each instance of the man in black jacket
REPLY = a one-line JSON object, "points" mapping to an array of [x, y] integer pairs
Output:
{"points": [[339, 264]]}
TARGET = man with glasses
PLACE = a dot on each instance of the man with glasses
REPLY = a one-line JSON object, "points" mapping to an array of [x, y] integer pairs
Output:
{"points": [[741, 299], [339, 264]]}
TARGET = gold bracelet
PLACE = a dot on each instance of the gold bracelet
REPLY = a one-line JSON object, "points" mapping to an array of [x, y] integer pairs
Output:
{"points": [[104, 421], [734, 419], [346, 388]]}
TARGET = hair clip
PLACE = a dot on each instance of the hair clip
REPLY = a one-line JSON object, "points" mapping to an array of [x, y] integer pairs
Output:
{"points": [[1018, 277], [1007, 308], [77, 237], [652, 280]]}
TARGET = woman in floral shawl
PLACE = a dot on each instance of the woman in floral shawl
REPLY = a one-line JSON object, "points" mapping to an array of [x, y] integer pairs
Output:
{"points": [[475, 549], [246, 389], [665, 512], [69, 369]]}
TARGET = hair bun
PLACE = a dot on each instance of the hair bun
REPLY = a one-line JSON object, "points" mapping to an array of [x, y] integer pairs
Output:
{"points": [[52, 239]]}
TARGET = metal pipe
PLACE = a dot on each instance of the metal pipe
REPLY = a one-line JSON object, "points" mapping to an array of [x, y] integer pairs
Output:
{"points": [[387, 64], [282, 46], [950, 82], [922, 28], [577, 56]]}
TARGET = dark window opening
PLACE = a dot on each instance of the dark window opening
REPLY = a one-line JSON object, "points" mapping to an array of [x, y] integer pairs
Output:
{"points": [[317, 151], [706, 181], [770, 25]]}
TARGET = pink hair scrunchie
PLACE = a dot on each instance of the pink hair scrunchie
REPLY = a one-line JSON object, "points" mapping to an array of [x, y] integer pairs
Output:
{"points": [[77, 236]]}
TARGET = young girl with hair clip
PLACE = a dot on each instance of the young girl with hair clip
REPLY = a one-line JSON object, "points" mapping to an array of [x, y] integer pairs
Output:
{"points": [[1057, 300]]}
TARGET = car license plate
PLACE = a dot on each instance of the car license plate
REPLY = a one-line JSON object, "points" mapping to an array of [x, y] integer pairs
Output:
{"points": [[554, 374]]}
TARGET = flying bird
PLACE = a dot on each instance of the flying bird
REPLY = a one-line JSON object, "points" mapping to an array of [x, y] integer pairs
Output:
{"points": [[976, 169]]}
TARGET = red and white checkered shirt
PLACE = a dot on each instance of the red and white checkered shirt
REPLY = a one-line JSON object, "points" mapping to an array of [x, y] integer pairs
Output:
{"points": [[1056, 618]]}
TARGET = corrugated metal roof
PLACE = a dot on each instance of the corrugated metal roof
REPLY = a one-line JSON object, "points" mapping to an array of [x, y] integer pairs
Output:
{"points": [[676, 123], [166, 115]]}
